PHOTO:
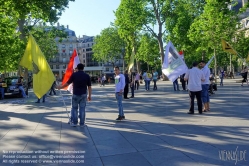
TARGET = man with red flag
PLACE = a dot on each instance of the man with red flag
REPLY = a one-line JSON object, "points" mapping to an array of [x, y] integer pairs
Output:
{"points": [[74, 61]]}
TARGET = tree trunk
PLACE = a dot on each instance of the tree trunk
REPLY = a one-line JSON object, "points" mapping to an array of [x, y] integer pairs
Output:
{"points": [[160, 41], [21, 23]]}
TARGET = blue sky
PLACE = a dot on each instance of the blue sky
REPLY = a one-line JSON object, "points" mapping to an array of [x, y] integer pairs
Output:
{"points": [[89, 17]]}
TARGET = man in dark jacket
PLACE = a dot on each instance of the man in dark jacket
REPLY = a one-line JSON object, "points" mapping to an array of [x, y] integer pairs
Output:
{"points": [[126, 89]]}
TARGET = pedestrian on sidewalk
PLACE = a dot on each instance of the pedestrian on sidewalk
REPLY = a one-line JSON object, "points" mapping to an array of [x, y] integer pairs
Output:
{"points": [[103, 79], [43, 99], [176, 85], [20, 86], [154, 78], [221, 75], [137, 79], [132, 83], [244, 73], [127, 81], [2, 88], [183, 82], [119, 89], [205, 86], [194, 76], [52, 90], [81, 83]]}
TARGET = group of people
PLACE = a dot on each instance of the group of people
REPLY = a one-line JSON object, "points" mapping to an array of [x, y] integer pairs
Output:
{"points": [[198, 84]]}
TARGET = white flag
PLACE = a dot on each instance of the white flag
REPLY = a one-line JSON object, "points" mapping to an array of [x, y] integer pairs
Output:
{"points": [[173, 65]]}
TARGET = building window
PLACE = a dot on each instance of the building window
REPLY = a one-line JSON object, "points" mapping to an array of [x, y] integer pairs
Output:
{"points": [[57, 66], [57, 59], [51, 66], [88, 45], [107, 69], [84, 56], [71, 46], [64, 60], [63, 46], [83, 50], [64, 66], [84, 61]]}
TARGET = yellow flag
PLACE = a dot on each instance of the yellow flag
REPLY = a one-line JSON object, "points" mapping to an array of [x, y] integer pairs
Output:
{"points": [[34, 60], [227, 48], [131, 63]]}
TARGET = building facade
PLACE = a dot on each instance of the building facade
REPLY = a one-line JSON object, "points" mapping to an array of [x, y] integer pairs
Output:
{"points": [[83, 45]]}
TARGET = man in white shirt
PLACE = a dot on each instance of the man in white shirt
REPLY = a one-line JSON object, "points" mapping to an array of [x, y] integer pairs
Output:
{"points": [[119, 89], [205, 85], [194, 76]]}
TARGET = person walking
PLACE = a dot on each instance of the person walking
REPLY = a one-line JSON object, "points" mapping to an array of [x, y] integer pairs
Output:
{"points": [[52, 90], [195, 77], [137, 79], [119, 89], [145, 77], [154, 78], [221, 75], [43, 99], [81, 84], [244, 73], [103, 78], [126, 89], [205, 86], [183, 82], [2, 88], [132, 83], [176, 85]]}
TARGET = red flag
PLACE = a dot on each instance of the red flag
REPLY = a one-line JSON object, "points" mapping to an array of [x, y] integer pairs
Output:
{"points": [[70, 68]]}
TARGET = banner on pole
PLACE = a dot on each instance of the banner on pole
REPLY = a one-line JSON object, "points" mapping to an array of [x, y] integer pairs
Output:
{"points": [[173, 65]]}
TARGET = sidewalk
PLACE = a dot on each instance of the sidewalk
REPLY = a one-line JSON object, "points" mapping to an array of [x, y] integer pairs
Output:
{"points": [[157, 130]]}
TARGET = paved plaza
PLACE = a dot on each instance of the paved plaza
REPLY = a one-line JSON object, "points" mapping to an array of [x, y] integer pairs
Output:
{"points": [[157, 130]]}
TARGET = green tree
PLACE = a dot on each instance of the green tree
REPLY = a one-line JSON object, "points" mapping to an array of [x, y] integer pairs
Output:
{"points": [[21, 15], [130, 16], [216, 22], [108, 46], [182, 15], [148, 51]]}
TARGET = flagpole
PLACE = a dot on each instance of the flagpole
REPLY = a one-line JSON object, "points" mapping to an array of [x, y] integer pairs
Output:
{"points": [[215, 67]]}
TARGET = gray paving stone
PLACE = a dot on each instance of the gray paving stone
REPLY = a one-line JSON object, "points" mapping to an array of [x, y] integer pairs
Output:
{"points": [[157, 130], [129, 159]]}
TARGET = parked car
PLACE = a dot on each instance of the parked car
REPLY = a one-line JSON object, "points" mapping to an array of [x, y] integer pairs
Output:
{"points": [[12, 89]]}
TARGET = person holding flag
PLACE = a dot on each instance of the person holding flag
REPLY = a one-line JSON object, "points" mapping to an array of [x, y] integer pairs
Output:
{"points": [[81, 83]]}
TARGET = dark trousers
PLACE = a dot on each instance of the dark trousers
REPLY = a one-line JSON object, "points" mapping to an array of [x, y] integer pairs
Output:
{"points": [[132, 90], [43, 99], [126, 90], [183, 85], [192, 96], [155, 86], [136, 84], [52, 91]]}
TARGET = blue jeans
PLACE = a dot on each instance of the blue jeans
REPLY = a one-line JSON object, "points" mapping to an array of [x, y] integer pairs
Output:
{"points": [[22, 90], [119, 99], [78, 101], [221, 81], [176, 85], [204, 93], [2, 92]]}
